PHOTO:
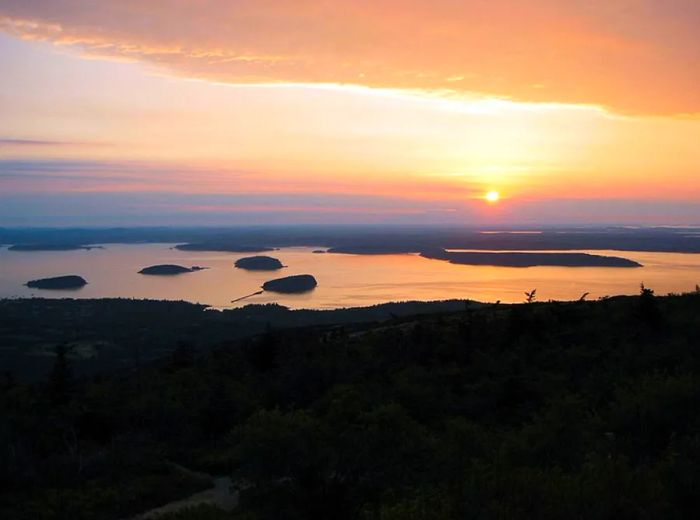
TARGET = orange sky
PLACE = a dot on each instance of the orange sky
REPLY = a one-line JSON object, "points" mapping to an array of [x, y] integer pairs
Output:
{"points": [[411, 109]]}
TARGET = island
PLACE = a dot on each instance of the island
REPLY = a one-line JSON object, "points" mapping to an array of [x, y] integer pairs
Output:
{"points": [[58, 282], [528, 259], [299, 283], [51, 247], [259, 263], [375, 249], [223, 247], [319, 251], [169, 269]]}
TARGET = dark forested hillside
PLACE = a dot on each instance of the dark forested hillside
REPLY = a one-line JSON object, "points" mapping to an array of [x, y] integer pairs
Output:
{"points": [[107, 335], [540, 410]]}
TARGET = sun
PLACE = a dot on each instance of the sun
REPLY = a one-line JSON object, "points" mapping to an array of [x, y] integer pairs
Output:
{"points": [[492, 197]]}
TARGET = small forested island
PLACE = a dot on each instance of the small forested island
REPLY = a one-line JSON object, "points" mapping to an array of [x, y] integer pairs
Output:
{"points": [[299, 283], [529, 259], [223, 247], [259, 263], [58, 282], [169, 269], [51, 247], [319, 251]]}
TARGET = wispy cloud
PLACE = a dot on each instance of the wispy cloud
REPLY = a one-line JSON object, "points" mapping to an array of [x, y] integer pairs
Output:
{"points": [[634, 56], [28, 142], [102, 208], [16, 142], [97, 176]]}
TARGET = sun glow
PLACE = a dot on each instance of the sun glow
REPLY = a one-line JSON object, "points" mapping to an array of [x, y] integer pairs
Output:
{"points": [[492, 197]]}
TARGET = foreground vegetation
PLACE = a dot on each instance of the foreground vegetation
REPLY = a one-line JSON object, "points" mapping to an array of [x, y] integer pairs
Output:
{"points": [[117, 334], [540, 410]]}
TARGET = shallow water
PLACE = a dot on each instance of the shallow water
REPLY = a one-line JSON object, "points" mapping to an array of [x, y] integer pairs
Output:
{"points": [[344, 280]]}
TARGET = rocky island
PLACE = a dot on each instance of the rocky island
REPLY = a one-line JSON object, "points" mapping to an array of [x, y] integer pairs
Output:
{"points": [[259, 263], [299, 283], [169, 269], [58, 282]]}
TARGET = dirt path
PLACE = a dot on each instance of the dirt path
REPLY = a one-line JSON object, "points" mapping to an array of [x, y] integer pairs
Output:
{"points": [[222, 495]]}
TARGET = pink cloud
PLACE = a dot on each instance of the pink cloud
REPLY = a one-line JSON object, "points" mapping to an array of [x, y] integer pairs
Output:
{"points": [[631, 55]]}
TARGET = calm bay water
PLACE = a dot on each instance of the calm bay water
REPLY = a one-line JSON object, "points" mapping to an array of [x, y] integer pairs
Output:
{"points": [[344, 280]]}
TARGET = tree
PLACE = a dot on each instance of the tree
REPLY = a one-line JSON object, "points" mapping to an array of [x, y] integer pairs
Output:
{"points": [[61, 377], [648, 307], [530, 296]]}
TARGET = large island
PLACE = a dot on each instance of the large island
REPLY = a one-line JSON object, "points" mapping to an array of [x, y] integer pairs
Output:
{"points": [[299, 283], [259, 263], [169, 269], [493, 258], [58, 282], [528, 259]]}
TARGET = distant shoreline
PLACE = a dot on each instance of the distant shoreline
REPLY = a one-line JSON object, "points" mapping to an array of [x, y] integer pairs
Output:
{"points": [[500, 258], [361, 240], [52, 247], [532, 259]]}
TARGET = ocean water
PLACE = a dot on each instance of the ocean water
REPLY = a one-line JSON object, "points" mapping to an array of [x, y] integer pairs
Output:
{"points": [[344, 280]]}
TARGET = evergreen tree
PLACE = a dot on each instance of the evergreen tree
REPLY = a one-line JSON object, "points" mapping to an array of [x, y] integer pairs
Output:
{"points": [[61, 377]]}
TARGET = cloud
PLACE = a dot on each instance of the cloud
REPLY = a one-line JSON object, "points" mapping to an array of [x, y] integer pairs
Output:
{"points": [[117, 209], [29, 142], [35, 176], [95, 176], [636, 56], [71, 192], [12, 142]]}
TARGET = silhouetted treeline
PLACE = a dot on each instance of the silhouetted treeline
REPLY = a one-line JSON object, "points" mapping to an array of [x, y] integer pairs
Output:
{"points": [[540, 410], [111, 334]]}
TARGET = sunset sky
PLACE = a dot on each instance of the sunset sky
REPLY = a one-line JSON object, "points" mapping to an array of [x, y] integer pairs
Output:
{"points": [[125, 112]]}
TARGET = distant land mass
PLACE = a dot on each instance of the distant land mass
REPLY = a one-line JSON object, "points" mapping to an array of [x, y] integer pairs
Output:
{"points": [[223, 246], [504, 259], [299, 283], [259, 263], [51, 247], [58, 282], [511, 259], [375, 249], [372, 239], [169, 269]]}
